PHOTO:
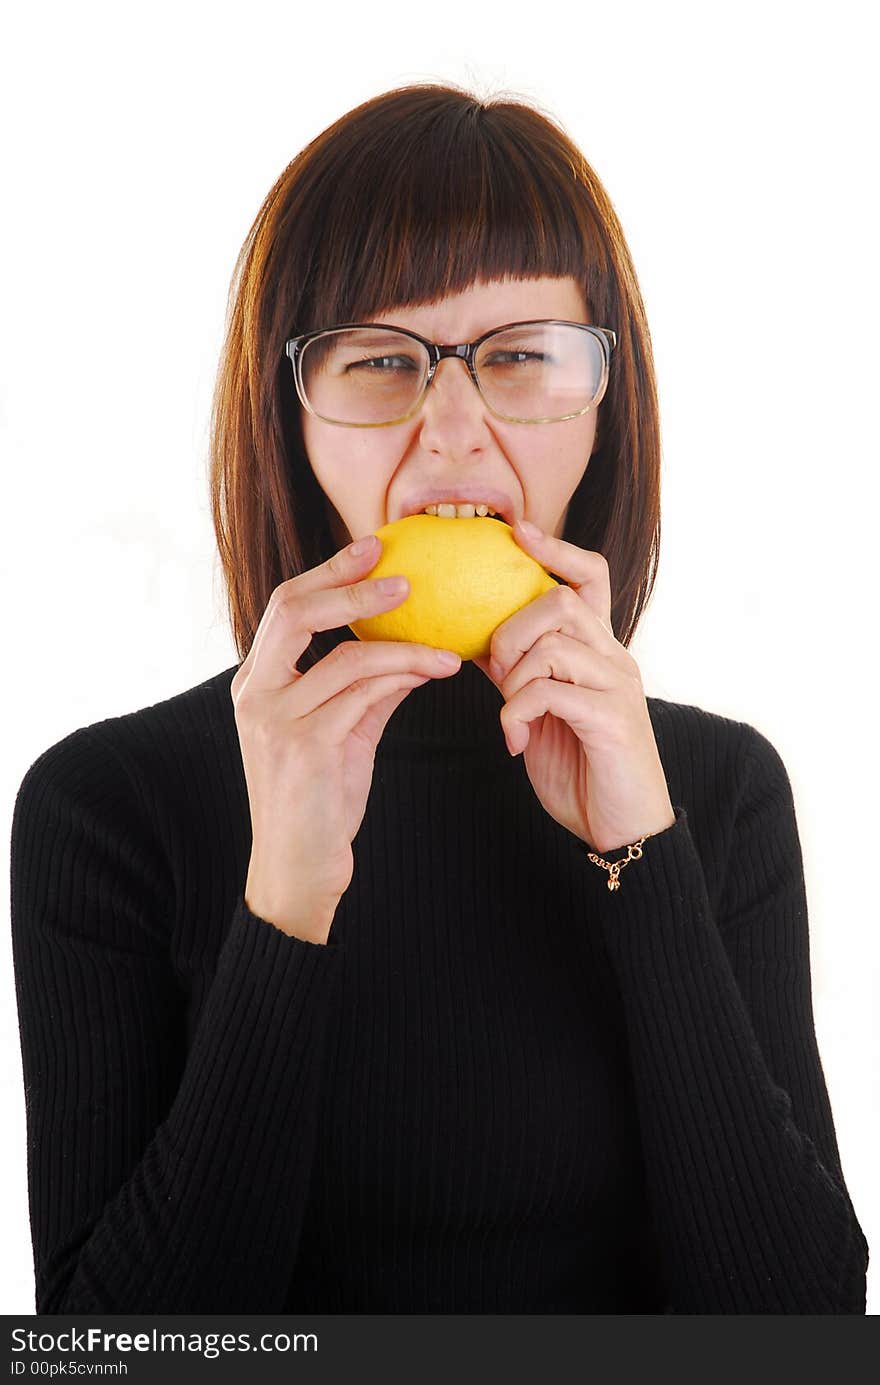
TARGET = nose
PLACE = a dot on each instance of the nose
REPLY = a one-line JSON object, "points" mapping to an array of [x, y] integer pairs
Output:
{"points": [[453, 412], [451, 378]]}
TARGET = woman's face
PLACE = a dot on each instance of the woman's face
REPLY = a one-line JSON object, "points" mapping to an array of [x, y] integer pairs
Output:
{"points": [[372, 475]]}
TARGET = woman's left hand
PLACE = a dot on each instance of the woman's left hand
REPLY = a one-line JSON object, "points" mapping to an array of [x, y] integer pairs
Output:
{"points": [[575, 705]]}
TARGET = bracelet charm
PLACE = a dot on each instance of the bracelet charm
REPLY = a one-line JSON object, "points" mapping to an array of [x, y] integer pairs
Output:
{"points": [[614, 867]]}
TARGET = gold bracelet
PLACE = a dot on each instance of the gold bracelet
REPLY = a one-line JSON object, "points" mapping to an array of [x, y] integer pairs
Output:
{"points": [[615, 867]]}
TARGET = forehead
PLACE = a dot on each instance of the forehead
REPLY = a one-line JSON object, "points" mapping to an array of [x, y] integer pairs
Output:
{"points": [[489, 303]]}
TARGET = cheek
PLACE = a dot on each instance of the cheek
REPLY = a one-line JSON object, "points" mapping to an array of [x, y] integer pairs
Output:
{"points": [[354, 469], [552, 473], [320, 449], [554, 470], [330, 456]]}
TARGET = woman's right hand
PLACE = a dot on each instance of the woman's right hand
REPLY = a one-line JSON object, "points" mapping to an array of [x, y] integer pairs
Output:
{"points": [[308, 740]]}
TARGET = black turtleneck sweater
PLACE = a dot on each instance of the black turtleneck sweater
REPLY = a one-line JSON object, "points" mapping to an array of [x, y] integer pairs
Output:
{"points": [[498, 1088]]}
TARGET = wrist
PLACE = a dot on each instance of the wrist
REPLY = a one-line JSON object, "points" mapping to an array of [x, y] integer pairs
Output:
{"points": [[307, 919]]}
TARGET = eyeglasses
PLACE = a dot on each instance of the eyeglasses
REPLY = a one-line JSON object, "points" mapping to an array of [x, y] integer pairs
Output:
{"points": [[371, 375]]}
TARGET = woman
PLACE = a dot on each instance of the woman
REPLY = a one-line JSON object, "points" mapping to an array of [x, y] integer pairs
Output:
{"points": [[325, 1005]]}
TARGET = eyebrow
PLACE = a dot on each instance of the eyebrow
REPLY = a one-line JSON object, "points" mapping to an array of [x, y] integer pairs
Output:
{"points": [[381, 334], [498, 326]]}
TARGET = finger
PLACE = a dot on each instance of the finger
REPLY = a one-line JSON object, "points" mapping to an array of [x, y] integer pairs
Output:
{"points": [[586, 571], [377, 715], [556, 655], [342, 568], [299, 607], [592, 715], [482, 663], [559, 609], [368, 700], [358, 662]]}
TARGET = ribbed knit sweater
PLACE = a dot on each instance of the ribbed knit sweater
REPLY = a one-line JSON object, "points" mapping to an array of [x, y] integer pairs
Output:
{"points": [[498, 1088]]}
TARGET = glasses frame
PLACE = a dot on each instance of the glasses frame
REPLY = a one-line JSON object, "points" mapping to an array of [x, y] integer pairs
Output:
{"points": [[438, 352]]}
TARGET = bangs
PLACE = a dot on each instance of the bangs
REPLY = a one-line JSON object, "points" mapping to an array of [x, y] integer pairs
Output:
{"points": [[444, 200]]}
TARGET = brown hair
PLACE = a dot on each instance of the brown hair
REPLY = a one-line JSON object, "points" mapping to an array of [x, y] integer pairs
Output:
{"points": [[415, 194]]}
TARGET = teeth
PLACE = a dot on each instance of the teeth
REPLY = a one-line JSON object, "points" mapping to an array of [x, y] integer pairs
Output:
{"points": [[464, 511]]}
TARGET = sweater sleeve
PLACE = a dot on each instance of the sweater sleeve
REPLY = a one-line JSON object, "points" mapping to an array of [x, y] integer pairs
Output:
{"points": [[163, 1177], [751, 1213]]}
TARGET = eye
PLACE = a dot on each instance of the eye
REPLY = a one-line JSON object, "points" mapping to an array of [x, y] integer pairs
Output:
{"points": [[384, 364], [516, 357]]}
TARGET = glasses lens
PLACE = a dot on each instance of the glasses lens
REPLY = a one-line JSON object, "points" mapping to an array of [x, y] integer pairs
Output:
{"points": [[542, 372], [363, 375]]}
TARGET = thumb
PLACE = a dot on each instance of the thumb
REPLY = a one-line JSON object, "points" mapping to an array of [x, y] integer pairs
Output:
{"points": [[376, 717]]}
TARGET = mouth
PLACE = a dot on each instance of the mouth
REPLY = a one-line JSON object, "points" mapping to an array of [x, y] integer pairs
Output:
{"points": [[464, 511], [484, 503]]}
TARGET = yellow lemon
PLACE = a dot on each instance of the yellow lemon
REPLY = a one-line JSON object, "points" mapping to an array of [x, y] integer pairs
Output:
{"points": [[466, 576]]}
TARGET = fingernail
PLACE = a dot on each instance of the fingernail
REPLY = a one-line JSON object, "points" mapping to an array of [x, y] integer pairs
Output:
{"points": [[356, 549], [515, 741], [390, 586], [530, 530], [448, 656]]}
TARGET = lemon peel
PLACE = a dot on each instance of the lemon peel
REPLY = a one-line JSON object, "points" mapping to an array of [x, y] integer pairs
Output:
{"points": [[466, 576]]}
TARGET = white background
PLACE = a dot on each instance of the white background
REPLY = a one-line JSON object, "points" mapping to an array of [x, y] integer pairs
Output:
{"points": [[738, 145]]}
